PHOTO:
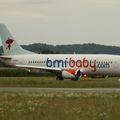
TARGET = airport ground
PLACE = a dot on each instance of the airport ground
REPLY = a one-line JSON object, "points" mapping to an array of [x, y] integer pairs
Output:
{"points": [[51, 82], [59, 106], [66, 105], [13, 77]]}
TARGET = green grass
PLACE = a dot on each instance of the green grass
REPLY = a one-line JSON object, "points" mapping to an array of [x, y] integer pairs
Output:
{"points": [[56, 106], [59, 106], [23, 78], [16, 72], [51, 82]]}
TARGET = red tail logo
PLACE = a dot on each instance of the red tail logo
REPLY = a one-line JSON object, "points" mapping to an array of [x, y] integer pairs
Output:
{"points": [[9, 43]]}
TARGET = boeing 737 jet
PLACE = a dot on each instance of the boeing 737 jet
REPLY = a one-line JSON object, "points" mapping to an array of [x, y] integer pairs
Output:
{"points": [[70, 66]]}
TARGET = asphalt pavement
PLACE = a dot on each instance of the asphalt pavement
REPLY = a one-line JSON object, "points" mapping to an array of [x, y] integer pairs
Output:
{"points": [[84, 90]]}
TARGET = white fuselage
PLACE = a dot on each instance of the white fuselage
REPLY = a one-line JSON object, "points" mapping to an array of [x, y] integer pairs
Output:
{"points": [[70, 66], [89, 63]]}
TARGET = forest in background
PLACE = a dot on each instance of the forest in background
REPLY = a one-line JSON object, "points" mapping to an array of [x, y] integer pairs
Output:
{"points": [[71, 49]]}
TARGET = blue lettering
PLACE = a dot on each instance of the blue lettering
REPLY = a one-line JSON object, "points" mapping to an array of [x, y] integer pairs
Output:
{"points": [[102, 65], [66, 62], [48, 63], [56, 63]]}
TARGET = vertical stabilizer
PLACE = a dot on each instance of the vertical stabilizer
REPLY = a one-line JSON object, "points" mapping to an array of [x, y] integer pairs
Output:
{"points": [[10, 46]]}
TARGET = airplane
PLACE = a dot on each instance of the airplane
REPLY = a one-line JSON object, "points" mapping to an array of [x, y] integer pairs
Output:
{"points": [[65, 66]]}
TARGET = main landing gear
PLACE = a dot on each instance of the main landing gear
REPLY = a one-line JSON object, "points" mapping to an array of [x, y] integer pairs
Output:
{"points": [[59, 78], [75, 79]]}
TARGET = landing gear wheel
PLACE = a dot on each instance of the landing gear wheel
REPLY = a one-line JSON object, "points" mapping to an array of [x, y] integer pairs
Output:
{"points": [[75, 79], [59, 78]]}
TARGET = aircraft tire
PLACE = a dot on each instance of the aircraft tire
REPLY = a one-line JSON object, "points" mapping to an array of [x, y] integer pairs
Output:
{"points": [[75, 79], [59, 78]]}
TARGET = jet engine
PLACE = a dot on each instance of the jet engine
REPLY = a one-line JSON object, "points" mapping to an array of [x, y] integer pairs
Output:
{"points": [[73, 74]]}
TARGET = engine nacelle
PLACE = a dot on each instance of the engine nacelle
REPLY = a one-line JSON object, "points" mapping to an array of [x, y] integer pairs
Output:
{"points": [[71, 73]]}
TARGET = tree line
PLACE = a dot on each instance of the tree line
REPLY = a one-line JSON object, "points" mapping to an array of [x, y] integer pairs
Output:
{"points": [[71, 49]]}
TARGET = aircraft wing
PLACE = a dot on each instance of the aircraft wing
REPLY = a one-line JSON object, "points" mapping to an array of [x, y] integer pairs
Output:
{"points": [[5, 58], [40, 68]]}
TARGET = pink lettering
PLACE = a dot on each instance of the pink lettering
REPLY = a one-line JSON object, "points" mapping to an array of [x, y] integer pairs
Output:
{"points": [[83, 63], [78, 63], [71, 63], [93, 65]]}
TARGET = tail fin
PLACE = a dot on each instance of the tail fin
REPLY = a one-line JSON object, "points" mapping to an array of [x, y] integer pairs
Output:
{"points": [[10, 46]]}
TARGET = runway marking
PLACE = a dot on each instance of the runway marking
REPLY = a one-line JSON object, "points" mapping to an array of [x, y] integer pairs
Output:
{"points": [[84, 90]]}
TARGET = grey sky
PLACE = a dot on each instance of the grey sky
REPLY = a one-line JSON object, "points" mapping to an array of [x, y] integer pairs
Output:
{"points": [[62, 21]]}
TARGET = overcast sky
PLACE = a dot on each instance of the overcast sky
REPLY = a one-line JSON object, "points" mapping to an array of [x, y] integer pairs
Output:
{"points": [[62, 21]]}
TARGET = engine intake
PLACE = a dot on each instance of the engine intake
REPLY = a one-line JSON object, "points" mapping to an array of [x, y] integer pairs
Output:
{"points": [[71, 73]]}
